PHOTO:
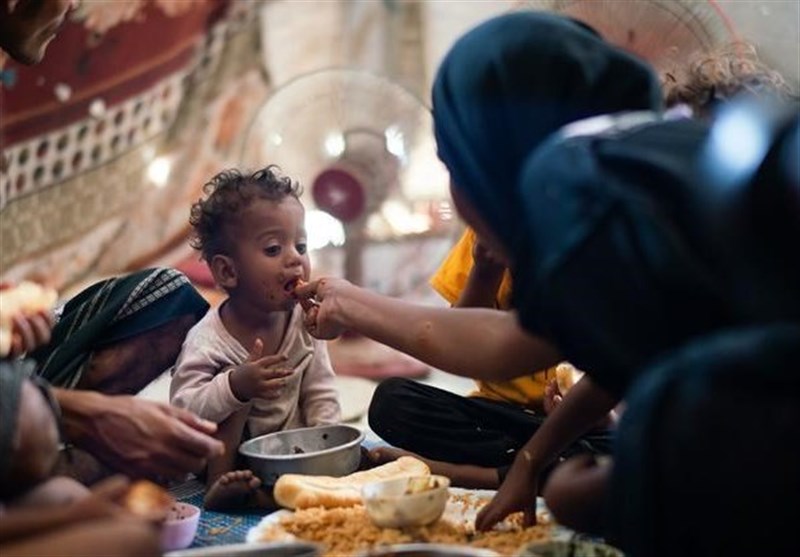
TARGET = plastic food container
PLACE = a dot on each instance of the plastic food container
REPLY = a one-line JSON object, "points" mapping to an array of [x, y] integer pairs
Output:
{"points": [[414, 501]]}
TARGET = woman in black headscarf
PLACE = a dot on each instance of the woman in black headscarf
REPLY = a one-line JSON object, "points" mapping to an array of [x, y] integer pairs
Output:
{"points": [[602, 222], [501, 93], [503, 89], [119, 334]]}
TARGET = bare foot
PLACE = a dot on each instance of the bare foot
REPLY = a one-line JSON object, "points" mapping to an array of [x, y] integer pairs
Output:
{"points": [[461, 475], [232, 491]]}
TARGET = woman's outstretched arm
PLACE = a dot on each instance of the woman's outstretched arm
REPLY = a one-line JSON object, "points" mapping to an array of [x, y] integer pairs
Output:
{"points": [[480, 343]]}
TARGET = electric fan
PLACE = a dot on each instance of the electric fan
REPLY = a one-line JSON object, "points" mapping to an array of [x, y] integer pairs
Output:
{"points": [[663, 32], [363, 149]]}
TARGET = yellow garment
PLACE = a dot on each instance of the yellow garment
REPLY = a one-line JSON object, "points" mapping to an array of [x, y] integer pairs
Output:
{"points": [[449, 281]]}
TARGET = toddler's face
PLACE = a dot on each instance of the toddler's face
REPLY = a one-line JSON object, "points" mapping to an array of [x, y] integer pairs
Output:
{"points": [[270, 253]]}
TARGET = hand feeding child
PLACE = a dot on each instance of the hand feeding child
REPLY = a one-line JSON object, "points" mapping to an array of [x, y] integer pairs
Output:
{"points": [[249, 364]]}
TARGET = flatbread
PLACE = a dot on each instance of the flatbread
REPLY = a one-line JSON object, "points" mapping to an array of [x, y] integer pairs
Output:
{"points": [[296, 491]]}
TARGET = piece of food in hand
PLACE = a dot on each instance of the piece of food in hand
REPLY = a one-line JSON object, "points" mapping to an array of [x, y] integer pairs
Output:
{"points": [[147, 500], [296, 491], [306, 303], [294, 283], [566, 376], [24, 298]]}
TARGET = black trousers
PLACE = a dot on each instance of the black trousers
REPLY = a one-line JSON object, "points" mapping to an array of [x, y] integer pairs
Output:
{"points": [[441, 425]]}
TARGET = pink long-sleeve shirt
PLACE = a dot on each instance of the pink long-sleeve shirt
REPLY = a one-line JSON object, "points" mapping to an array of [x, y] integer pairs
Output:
{"points": [[201, 378]]}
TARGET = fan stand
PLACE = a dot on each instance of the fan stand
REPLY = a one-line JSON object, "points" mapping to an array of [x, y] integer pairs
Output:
{"points": [[339, 190]]}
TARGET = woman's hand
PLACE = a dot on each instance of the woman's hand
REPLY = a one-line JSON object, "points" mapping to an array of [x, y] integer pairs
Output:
{"points": [[30, 331], [321, 301], [517, 493]]}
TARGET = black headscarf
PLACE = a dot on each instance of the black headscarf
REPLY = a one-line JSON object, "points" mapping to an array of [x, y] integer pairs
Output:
{"points": [[509, 84], [110, 311], [707, 454]]}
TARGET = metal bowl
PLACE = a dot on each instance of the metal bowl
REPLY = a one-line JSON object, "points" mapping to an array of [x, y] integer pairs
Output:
{"points": [[332, 450], [427, 550]]}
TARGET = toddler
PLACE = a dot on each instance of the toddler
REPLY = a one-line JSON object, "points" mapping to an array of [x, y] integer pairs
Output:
{"points": [[249, 364]]}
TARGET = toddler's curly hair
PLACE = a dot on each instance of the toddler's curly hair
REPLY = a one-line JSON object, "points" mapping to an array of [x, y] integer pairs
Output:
{"points": [[720, 74], [227, 194]]}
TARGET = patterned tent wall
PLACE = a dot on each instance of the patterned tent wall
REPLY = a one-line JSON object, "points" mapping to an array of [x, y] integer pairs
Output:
{"points": [[123, 84]]}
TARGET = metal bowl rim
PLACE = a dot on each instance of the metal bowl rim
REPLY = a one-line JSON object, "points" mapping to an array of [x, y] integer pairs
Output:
{"points": [[301, 456]]}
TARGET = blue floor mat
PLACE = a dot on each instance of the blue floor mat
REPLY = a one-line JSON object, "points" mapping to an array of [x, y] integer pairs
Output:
{"points": [[215, 528]]}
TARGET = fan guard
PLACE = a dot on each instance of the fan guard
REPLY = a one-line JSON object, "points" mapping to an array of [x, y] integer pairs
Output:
{"points": [[663, 32]]}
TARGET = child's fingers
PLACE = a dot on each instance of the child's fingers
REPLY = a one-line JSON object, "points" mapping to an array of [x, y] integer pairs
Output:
{"points": [[271, 360], [271, 388], [256, 350]]}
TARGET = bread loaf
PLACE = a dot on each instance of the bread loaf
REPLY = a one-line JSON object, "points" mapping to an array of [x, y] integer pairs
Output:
{"points": [[26, 297], [295, 491]]}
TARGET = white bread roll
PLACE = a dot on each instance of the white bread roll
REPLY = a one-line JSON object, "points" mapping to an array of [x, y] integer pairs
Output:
{"points": [[566, 376], [26, 297], [295, 491]]}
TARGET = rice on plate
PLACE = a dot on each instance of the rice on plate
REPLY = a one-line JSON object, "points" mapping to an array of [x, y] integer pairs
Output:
{"points": [[347, 531]]}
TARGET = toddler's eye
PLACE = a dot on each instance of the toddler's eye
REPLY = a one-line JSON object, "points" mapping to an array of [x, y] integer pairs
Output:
{"points": [[301, 248], [272, 251]]}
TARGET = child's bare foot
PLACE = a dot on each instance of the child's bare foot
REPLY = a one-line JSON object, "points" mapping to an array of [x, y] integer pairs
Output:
{"points": [[232, 490]]}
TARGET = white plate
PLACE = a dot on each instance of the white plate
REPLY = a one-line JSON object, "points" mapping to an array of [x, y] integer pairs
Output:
{"points": [[455, 511]]}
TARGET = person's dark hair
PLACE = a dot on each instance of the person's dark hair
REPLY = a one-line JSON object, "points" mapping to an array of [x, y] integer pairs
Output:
{"points": [[227, 194], [719, 75]]}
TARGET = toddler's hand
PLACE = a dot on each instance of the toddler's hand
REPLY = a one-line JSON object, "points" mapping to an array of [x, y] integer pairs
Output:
{"points": [[260, 376]]}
